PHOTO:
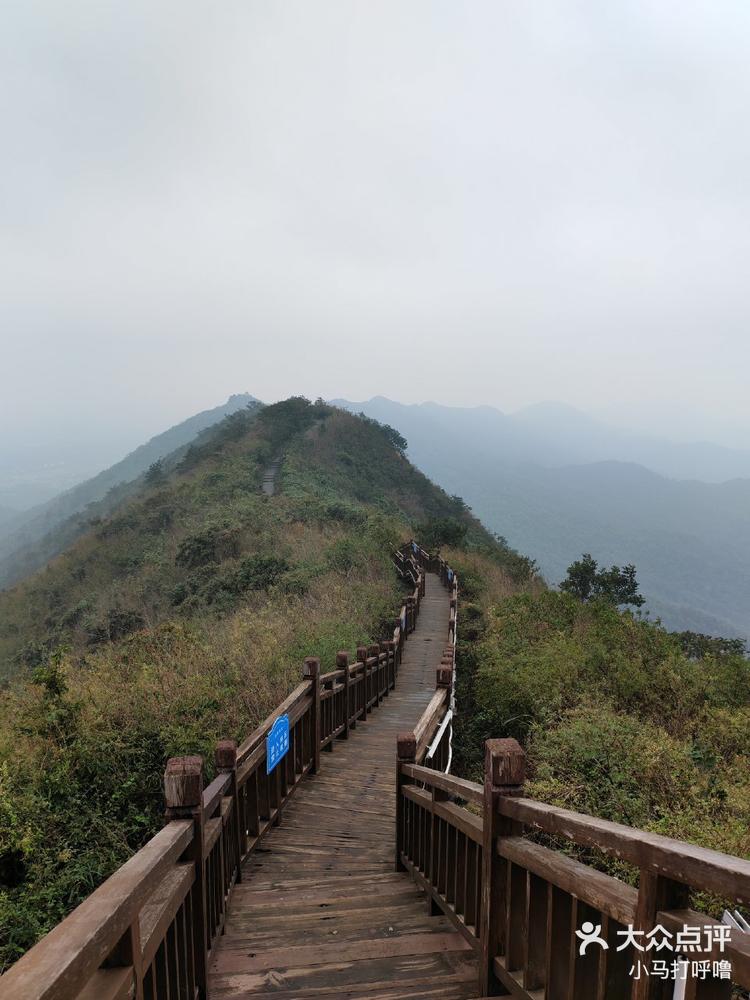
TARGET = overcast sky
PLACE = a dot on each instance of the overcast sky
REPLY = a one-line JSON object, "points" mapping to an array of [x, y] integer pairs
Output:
{"points": [[484, 202]]}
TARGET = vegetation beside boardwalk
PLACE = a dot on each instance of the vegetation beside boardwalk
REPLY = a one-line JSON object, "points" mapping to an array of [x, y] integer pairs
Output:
{"points": [[619, 718], [181, 618]]}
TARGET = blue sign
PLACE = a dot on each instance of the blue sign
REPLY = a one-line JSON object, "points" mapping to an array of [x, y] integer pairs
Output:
{"points": [[414, 547], [277, 742], [450, 576]]}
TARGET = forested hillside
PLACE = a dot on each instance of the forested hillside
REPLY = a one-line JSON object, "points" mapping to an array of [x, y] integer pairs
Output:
{"points": [[184, 617], [184, 614], [619, 718], [29, 538]]}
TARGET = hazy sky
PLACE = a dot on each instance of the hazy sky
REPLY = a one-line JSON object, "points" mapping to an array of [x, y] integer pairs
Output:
{"points": [[496, 202]]}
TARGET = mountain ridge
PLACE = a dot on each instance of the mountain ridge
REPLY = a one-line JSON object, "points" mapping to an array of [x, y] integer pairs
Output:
{"points": [[689, 539], [172, 546], [539, 427], [23, 531]]}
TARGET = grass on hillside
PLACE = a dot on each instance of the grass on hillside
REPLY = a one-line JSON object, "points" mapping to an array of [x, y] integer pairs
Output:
{"points": [[183, 618], [616, 720]]}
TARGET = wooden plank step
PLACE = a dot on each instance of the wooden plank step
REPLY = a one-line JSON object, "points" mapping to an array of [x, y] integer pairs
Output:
{"points": [[449, 967], [429, 989], [335, 952], [343, 928]]}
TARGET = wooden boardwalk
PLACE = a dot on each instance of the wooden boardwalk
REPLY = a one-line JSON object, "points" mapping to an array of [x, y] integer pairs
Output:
{"points": [[270, 477], [320, 911]]}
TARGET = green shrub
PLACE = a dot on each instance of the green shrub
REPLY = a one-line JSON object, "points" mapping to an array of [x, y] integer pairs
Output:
{"points": [[259, 572], [616, 719], [613, 766], [208, 546]]}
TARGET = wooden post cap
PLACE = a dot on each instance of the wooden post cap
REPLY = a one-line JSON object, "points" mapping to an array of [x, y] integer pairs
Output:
{"points": [[444, 677], [361, 654], [373, 649], [388, 645], [410, 600], [453, 603], [342, 658], [183, 782], [226, 755], [311, 666], [406, 746], [505, 762]]}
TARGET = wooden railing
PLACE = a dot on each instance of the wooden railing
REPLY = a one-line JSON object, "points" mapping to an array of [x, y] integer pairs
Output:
{"points": [[147, 932], [519, 904], [431, 736]]}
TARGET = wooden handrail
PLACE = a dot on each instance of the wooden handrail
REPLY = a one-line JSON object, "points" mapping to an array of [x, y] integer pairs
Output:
{"points": [[516, 902], [215, 792], [519, 903], [470, 791], [605, 893], [183, 875], [260, 732], [62, 962], [530, 899], [428, 720], [711, 871]]}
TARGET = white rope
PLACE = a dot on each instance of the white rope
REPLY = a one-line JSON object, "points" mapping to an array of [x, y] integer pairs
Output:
{"points": [[452, 708], [439, 734]]}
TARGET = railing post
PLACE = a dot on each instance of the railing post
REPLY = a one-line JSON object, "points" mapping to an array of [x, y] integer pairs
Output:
{"points": [[398, 624], [373, 650], [386, 668], [183, 793], [311, 672], [655, 893], [390, 647], [411, 618], [128, 952], [443, 678], [226, 762], [448, 659], [406, 753], [504, 774], [362, 658], [342, 663]]}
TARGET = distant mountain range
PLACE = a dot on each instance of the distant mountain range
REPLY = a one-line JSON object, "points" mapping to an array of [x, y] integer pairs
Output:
{"points": [[30, 538], [554, 434], [540, 478], [550, 479]]}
